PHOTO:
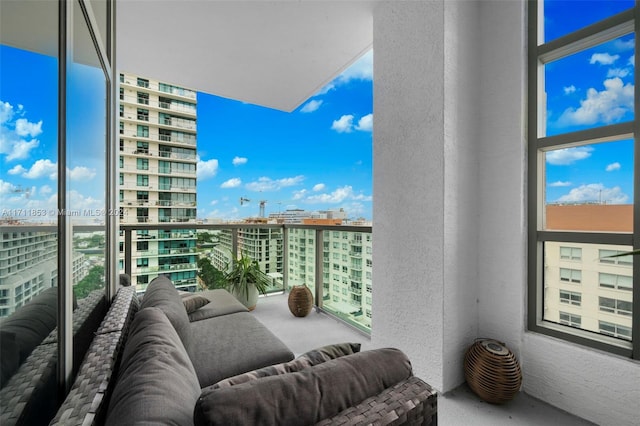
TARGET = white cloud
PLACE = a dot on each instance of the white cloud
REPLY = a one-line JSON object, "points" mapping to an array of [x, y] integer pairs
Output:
{"points": [[569, 89], [613, 166], [607, 106], [566, 156], [206, 169], [231, 183], [17, 137], [595, 192], [318, 187], [632, 60], [365, 124], [79, 173], [311, 106], [299, 195], [620, 45], [343, 125], [338, 196], [238, 161], [42, 168], [46, 190], [213, 202], [17, 170], [25, 128], [559, 184], [618, 72], [6, 112], [268, 184], [362, 69], [603, 58]]}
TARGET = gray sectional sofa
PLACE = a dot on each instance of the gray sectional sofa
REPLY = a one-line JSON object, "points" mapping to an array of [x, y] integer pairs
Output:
{"points": [[204, 359]]}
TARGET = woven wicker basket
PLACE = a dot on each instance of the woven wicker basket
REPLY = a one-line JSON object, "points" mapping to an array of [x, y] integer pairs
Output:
{"points": [[492, 371], [300, 300]]}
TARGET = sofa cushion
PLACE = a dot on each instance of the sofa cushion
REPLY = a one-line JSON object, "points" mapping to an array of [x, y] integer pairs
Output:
{"points": [[307, 396], [161, 293], [308, 359], [30, 324], [194, 302], [221, 302], [156, 381], [233, 344]]}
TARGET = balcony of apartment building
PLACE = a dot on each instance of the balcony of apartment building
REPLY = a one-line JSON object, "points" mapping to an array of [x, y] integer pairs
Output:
{"points": [[450, 180]]}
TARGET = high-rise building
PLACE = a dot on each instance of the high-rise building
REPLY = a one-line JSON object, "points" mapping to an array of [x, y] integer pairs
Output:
{"points": [[588, 286], [158, 177], [27, 266]]}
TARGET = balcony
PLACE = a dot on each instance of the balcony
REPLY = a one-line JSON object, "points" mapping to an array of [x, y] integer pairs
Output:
{"points": [[334, 303]]}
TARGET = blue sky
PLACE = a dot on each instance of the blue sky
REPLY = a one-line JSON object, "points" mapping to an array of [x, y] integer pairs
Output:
{"points": [[318, 157], [589, 89]]}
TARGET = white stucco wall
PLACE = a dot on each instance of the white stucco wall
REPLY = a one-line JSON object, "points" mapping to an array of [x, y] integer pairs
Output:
{"points": [[450, 205], [408, 157], [425, 147]]}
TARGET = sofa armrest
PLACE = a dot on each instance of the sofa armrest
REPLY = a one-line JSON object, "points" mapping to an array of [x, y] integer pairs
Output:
{"points": [[87, 401], [410, 402]]}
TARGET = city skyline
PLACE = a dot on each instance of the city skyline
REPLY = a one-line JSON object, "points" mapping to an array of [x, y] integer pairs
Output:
{"points": [[318, 157]]}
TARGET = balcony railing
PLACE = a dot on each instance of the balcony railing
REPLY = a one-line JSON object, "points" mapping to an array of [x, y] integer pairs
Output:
{"points": [[339, 297]]}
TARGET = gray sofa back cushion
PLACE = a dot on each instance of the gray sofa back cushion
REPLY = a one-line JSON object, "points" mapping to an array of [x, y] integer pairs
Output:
{"points": [[162, 294], [156, 381], [305, 397]]}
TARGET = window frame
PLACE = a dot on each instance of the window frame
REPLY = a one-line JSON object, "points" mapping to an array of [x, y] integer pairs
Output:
{"points": [[539, 54]]}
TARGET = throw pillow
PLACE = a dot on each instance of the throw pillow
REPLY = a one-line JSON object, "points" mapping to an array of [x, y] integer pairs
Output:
{"points": [[304, 397], [308, 359], [157, 383], [193, 303], [161, 293]]}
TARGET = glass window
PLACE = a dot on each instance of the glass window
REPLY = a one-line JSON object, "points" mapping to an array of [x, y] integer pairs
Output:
{"points": [[582, 169]]}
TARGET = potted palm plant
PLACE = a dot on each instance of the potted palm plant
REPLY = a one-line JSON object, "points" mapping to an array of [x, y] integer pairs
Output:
{"points": [[245, 280]]}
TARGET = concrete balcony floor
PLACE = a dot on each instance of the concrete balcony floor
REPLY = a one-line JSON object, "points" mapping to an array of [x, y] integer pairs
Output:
{"points": [[457, 407]]}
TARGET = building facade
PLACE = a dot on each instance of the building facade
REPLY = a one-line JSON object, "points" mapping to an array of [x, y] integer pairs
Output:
{"points": [[157, 167], [27, 266], [584, 286]]}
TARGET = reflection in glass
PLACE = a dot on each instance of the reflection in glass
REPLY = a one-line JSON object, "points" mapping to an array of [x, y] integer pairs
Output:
{"points": [[557, 25], [590, 188], [86, 165], [601, 299], [601, 93], [28, 247]]}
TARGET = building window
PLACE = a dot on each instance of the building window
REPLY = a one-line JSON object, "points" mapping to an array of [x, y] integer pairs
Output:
{"points": [[615, 330], [143, 131], [620, 282], [581, 170], [571, 275], [615, 306], [570, 319], [142, 180], [570, 297], [570, 253], [143, 82], [142, 163], [605, 256]]}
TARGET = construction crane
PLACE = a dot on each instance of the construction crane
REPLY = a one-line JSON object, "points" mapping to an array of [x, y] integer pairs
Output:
{"points": [[262, 204]]}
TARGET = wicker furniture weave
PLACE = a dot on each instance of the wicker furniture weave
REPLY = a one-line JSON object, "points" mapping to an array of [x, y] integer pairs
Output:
{"points": [[88, 399], [29, 396], [410, 402]]}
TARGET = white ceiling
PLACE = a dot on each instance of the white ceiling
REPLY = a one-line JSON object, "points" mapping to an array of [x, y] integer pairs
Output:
{"points": [[271, 53]]}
